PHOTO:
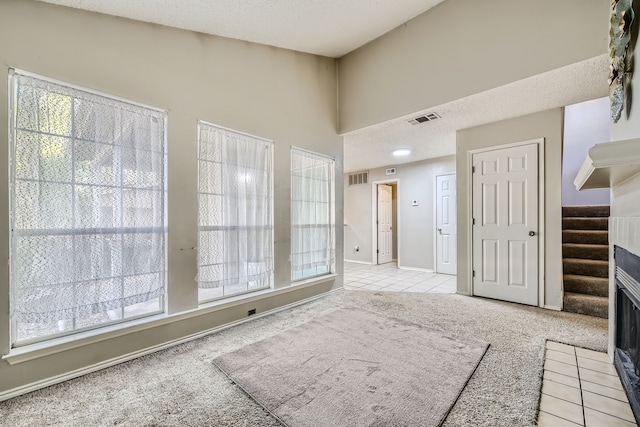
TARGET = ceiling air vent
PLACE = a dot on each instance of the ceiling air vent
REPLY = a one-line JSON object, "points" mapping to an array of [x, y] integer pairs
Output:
{"points": [[424, 118], [358, 178]]}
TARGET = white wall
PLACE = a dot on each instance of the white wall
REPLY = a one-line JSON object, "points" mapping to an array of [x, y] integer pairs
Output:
{"points": [[463, 47], [624, 224], [282, 95], [547, 125], [416, 224], [585, 124]]}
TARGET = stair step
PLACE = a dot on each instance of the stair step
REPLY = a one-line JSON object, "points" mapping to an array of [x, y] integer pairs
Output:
{"points": [[585, 211], [585, 251], [586, 304], [589, 285], [578, 223], [596, 237], [585, 267]]}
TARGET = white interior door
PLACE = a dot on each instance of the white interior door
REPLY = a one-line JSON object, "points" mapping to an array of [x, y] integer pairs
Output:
{"points": [[385, 221], [446, 224], [505, 230]]}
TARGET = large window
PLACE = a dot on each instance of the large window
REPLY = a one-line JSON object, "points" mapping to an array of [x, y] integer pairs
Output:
{"points": [[235, 213], [88, 222], [312, 214]]}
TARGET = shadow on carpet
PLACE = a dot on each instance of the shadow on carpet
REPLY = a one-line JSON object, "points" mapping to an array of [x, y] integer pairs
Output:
{"points": [[353, 367]]}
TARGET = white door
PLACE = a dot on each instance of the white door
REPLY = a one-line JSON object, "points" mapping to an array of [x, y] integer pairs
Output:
{"points": [[505, 224], [385, 221], [446, 224]]}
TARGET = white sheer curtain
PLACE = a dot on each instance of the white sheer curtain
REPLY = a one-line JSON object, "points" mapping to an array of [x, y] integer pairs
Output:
{"points": [[235, 213], [312, 214], [87, 209]]}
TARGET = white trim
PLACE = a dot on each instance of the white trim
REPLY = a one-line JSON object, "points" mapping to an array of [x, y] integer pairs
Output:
{"points": [[374, 217], [542, 279], [435, 219], [357, 262], [8, 394], [541, 212], [552, 307], [87, 90], [226, 129], [609, 164], [53, 346], [314, 153], [423, 270]]}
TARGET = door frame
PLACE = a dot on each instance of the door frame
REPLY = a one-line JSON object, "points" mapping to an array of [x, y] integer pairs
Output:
{"points": [[374, 218], [435, 217], [541, 212]]}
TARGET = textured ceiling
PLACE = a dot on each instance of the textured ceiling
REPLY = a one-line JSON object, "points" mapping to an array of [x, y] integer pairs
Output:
{"points": [[335, 27], [372, 146], [322, 27]]}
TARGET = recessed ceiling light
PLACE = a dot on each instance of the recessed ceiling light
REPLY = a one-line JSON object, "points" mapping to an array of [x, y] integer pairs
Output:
{"points": [[399, 152]]}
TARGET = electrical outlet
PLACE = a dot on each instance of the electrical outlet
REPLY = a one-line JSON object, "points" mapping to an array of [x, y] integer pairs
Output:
{"points": [[251, 312]]}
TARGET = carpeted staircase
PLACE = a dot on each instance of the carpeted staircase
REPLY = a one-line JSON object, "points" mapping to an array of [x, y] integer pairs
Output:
{"points": [[585, 259]]}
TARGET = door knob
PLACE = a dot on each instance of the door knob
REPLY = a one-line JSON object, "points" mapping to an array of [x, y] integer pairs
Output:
{"points": [[440, 230], [532, 233]]}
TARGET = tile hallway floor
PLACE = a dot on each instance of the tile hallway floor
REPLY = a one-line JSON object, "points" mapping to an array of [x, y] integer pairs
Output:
{"points": [[389, 278], [581, 388]]}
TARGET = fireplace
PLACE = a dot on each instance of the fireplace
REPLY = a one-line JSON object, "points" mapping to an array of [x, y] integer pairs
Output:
{"points": [[627, 318]]}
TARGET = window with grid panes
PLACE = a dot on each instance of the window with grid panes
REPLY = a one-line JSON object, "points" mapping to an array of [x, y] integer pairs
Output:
{"points": [[312, 214], [88, 217], [235, 213]]}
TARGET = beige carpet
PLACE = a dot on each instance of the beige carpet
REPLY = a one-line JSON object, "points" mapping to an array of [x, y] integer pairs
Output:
{"points": [[181, 386], [353, 367]]}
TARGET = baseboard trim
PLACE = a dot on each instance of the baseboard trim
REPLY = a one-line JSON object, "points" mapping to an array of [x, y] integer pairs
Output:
{"points": [[15, 392], [552, 307], [423, 270], [358, 262]]}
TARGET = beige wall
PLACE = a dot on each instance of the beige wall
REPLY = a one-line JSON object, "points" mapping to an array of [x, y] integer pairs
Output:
{"points": [[282, 95], [547, 125], [416, 224], [463, 47]]}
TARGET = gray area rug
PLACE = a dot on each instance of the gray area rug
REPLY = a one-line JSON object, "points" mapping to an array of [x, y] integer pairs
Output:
{"points": [[181, 386], [353, 367]]}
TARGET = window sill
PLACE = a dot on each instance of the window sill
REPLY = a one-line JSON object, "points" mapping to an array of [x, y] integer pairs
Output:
{"points": [[57, 345]]}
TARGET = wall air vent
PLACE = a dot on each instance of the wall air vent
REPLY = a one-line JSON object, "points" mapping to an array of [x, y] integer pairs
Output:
{"points": [[391, 171], [429, 117], [358, 178]]}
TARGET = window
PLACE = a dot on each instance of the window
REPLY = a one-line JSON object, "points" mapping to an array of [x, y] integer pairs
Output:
{"points": [[235, 213], [312, 214], [88, 222]]}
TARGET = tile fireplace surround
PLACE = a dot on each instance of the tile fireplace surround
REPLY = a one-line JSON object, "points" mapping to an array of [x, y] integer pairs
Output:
{"points": [[616, 165]]}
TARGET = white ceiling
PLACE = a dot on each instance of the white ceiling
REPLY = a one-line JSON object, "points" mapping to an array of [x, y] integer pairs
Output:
{"points": [[335, 27], [322, 27]]}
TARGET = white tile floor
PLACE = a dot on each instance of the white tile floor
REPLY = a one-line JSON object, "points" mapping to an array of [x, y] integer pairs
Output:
{"points": [[581, 388], [389, 278]]}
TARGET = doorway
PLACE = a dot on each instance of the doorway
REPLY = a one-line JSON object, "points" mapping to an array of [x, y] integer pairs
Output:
{"points": [[446, 227], [506, 222], [385, 222]]}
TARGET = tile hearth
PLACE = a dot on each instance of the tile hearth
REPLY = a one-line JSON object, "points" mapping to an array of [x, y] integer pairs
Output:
{"points": [[581, 388]]}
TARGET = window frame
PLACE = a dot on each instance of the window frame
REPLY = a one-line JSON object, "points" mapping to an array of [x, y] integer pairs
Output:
{"points": [[270, 160], [331, 213], [79, 230]]}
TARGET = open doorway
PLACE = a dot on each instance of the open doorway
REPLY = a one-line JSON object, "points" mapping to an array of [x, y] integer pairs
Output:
{"points": [[385, 222]]}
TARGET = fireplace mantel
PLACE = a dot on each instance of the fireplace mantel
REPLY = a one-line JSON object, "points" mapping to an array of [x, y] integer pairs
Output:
{"points": [[609, 164]]}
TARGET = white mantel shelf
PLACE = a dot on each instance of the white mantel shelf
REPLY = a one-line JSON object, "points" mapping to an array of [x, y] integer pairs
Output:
{"points": [[609, 164]]}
